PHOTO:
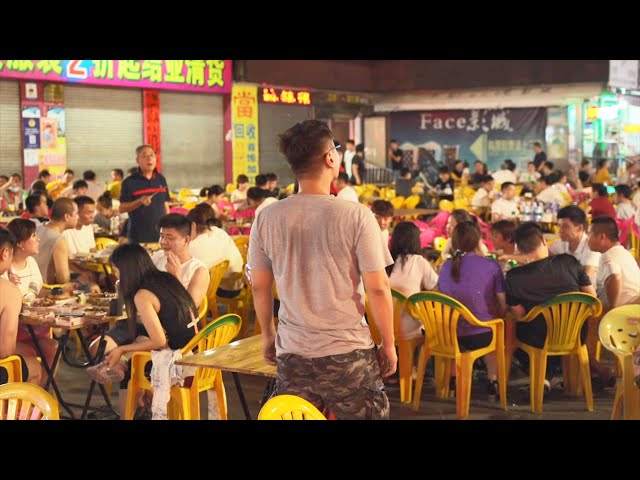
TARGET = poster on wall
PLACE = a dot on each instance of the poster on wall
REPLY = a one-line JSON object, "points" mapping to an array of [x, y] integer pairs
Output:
{"points": [[31, 132], [49, 135], [244, 117], [429, 138]]}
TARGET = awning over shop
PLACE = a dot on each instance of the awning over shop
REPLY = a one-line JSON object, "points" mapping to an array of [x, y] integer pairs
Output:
{"points": [[505, 97]]}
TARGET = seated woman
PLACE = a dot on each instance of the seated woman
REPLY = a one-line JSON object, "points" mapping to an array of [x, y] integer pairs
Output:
{"points": [[25, 274], [213, 195], [213, 245], [239, 195], [165, 308], [456, 217], [411, 273], [478, 284]]}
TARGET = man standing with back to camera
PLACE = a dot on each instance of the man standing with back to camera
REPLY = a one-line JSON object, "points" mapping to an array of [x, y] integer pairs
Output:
{"points": [[319, 249]]}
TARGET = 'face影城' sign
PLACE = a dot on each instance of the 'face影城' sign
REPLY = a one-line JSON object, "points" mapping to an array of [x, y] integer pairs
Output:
{"points": [[211, 76]]}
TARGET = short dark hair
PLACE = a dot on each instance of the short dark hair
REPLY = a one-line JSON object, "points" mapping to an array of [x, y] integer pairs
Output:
{"points": [[104, 200], [382, 208], [139, 148], [528, 237], [404, 171], [256, 194], [4, 177], [80, 184], [607, 225], [61, 207], [343, 176], [549, 164], [7, 239], [506, 228], [44, 173], [118, 171], [303, 146], [510, 164], [83, 200], [261, 180], [444, 169], [506, 185], [271, 177], [89, 175], [39, 186], [178, 222], [624, 190], [351, 141], [242, 179], [575, 214], [393, 140], [132, 170], [537, 144], [486, 179], [584, 163], [68, 170], [360, 147], [212, 190], [16, 175], [33, 201], [22, 229], [547, 180], [600, 188]]}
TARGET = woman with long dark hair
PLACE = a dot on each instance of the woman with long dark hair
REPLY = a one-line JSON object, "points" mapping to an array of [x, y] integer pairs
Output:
{"points": [[167, 312], [456, 217], [411, 273], [213, 195], [478, 284]]}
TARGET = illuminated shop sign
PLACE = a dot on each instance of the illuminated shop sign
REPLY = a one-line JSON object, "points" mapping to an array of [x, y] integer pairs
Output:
{"points": [[605, 113], [284, 96]]}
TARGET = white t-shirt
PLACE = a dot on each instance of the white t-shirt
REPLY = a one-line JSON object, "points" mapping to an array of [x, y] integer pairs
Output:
{"points": [[583, 253], [348, 193], [187, 269], [385, 236], [503, 176], [29, 276], [267, 201], [79, 241], [348, 161], [528, 177], [413, 276], [216, 246], [551, 195], [617, 260], [481, 198], [238, 197], [507, 209], [625, 211]]}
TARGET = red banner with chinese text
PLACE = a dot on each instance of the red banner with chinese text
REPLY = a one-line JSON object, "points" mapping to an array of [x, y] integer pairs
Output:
{"points": [[151, 122]]}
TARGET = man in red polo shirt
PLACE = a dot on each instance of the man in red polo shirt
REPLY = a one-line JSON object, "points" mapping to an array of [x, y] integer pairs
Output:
{"points": [[600, 205]]}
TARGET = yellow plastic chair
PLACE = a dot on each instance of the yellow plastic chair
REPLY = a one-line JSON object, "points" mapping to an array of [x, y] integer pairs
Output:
{"points": [[215, 277], [101, 244], [104, 242], [619, 333], [289, 407], [439, 243], [189, 205], [439, 315], [24, 401], [412, 201], [397, 202], [634, 241], [445, 205], [184, 194], [185, 402], [406, 347], [242, 243], [230, 187], [13, 365], [564, 315]]}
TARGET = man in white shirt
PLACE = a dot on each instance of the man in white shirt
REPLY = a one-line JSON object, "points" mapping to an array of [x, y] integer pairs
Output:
{"points": [[485, 194], [345, 192], [549, 194], [81, 238], [618, 280], [349, 153], [507, 174], [505, 208], [624, 208], [259, 199], [175, 258], [574, 240]]}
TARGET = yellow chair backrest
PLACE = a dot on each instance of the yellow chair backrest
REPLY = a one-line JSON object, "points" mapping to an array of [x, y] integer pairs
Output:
{"points": [[243, 245], [215, 277], [13, 366], [412, 201], [399, 301], [565, 314], [202, 311], [619, 329], [184, 193], [397, 202], [230, 188], [24, 401], [289, 407], [635, 244], [104, 242], [461, 203], [445, 205], [439, 243]]}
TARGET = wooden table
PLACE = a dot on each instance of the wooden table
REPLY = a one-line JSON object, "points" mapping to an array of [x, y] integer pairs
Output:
{"points": [[241, 356], [6, 220]]}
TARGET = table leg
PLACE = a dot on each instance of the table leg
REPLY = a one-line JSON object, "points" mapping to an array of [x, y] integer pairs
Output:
{"points": [[268, 390], [107, 280], [50, 369], [236, 380]]}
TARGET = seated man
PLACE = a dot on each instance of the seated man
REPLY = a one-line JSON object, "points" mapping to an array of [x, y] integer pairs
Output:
{"points": [[56, 187], [53, 259], [37, 208], [345, 191], [502, 236], [10, 305], [505, 208], [618, 281], [600, 204], [485, 194], [383, 211], [259, 198], [547, 193], [81, 240], [542, 279]]}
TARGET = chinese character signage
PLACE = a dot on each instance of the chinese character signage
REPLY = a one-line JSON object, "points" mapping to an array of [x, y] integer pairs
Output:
{"points": [[210, 76], [151, 122], [491, 136], [244, 115], [284, 96]]}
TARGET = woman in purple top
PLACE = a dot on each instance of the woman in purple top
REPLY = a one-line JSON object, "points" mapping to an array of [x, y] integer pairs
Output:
{"points": [[478, 284]]}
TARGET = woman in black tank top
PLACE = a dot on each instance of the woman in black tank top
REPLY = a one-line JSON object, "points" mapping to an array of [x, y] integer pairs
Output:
{"points": [[166, 309]]}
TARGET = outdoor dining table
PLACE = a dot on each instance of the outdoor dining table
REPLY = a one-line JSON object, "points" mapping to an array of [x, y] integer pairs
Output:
{"points": [[241, 356]]}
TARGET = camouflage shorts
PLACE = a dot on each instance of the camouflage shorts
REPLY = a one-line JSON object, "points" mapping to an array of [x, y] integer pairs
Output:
{"points": [[349, 385]]}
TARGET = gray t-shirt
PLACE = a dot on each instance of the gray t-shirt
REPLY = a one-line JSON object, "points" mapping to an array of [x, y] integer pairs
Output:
{"points": [[317, 246]]}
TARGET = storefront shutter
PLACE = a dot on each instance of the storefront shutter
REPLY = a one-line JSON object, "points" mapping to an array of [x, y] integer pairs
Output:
{"points": [[192, 135], [272, 121], [103, 129], [10, 146]]}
